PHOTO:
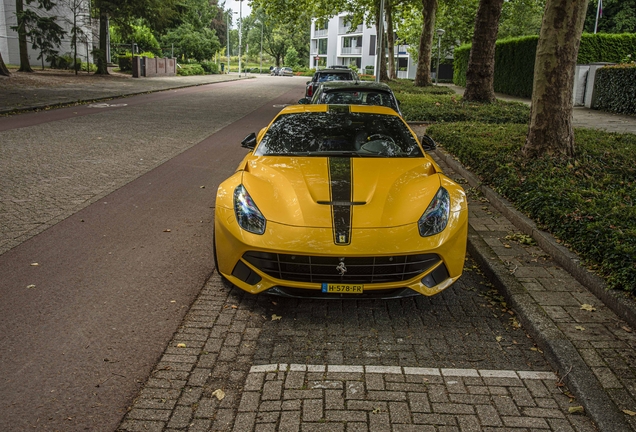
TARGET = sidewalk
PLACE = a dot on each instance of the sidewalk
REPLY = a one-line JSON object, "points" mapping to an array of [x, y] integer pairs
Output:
{"points": [[581, 117], [587, 334], [25, 92]]}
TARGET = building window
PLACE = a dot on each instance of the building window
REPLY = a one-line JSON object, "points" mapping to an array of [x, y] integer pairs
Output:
{"points": [[372, 45], [322, 46]]}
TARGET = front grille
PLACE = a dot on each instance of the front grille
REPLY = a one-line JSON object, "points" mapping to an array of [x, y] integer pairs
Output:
{"points": [[366, 270]]}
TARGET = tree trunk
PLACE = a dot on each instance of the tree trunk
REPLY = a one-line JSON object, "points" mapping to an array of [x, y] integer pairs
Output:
{"points": [[22, 39], [388, 7], [382, 52], [102, 66], [481, 64], [3, 68], [550, 128], [423, 73]]}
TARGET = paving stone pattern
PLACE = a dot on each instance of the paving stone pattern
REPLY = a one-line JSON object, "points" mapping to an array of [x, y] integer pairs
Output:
{"points": [[355, 398], [604, 341], [466, 326], [400, 368]]}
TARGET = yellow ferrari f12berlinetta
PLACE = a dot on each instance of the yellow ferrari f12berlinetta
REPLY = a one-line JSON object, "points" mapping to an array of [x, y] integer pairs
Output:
{"points": [[339, 201]]}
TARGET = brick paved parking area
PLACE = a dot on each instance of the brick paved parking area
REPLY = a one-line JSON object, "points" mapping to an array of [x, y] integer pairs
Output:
{"points": [[458, 361]]}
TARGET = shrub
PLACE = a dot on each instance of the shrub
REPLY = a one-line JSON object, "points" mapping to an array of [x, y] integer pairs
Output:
{"points": [[209, 67], [587, 202], [407, 86], [190, 69], [616, 88]]}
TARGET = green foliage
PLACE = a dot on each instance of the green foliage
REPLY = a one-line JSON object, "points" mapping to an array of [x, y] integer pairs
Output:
{"points": [[291, 57], [210, 67], [514, 59], [616, 88], [619, 16], [611, 48], [520, 18], [587, 202], [451, 108], [460, 64], [190, 69], [406, 86], [191, 43]]}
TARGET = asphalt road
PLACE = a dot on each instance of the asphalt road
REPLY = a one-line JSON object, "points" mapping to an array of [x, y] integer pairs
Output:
{"points": [[82, 329]]}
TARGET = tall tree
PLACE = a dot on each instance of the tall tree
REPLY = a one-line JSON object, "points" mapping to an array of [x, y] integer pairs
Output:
{"points": [[423, 73], [31, 24], [25, 66], [3, 68], [550, 128], [481, 63]]}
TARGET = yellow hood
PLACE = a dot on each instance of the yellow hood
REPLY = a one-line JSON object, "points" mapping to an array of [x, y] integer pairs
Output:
{"points": [[297, 191]]}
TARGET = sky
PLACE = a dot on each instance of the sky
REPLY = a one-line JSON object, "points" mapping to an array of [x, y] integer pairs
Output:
{"points": [[234, 5]]}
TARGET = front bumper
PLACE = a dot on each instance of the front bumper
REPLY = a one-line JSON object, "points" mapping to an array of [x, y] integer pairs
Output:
{"points": [[232, 243]]}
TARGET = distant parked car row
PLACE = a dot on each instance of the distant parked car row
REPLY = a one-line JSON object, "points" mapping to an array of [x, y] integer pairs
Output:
{"points": [[284, 71]]}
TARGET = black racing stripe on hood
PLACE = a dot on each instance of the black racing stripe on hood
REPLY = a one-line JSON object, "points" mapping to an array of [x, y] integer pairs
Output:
{"points": [[341, 190]]}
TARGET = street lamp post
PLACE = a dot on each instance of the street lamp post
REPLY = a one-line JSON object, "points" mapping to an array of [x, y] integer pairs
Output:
{"points": [[240, 31], [261, 68], [440, 32], [228, 42]]}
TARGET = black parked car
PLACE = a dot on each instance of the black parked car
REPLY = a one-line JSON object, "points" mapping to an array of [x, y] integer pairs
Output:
{"points": [[329, 74], [354, 93]]}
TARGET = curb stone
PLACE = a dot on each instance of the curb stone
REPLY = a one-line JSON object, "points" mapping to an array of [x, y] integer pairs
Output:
{"points": [[558, 349]]}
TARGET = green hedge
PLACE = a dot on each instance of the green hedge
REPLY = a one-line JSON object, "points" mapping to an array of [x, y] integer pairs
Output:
{"points": [[514, 59], [460, 64], [616, 88], [611, 48], [588, 203]]}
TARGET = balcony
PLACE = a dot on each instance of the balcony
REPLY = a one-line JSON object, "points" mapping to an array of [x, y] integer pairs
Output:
{"points": [[351, 50], [347, 29], [321, 33]]}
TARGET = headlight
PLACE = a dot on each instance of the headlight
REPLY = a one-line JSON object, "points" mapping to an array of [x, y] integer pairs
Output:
{"points": [[435, 218], [247, 214]]}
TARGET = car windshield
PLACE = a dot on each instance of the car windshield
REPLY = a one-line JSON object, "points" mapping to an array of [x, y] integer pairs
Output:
{"points": [[335, 77], [338, 134], [356, 97]]}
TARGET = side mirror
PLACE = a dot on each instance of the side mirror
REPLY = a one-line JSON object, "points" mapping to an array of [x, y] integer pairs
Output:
{"points": [[249, 141], [427, 143], [304, 101]]}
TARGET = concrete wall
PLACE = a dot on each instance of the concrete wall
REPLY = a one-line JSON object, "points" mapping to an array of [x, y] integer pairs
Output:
{"points": [[9, 38]]}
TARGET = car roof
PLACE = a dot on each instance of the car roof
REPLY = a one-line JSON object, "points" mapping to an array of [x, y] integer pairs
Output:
{"points": [[365, 109], [335, 70], [357, 85]]}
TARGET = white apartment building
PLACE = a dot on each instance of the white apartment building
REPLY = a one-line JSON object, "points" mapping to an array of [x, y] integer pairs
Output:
{"points": [[9, 38], [336, 43]]}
